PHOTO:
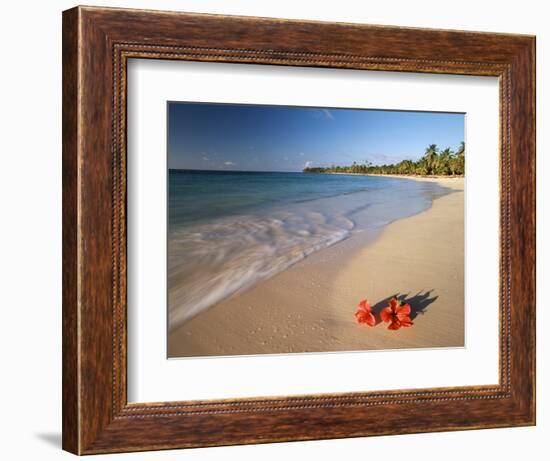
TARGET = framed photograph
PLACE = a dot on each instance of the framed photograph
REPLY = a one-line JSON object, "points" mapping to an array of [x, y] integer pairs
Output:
{"points": [[282, 230]]}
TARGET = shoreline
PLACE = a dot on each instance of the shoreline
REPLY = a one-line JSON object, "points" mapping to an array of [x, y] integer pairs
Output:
{"points": [[421, 256], [404, 176]]}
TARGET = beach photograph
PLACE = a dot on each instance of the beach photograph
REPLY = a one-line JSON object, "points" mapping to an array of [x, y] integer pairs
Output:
{"points": [[310, 229]]}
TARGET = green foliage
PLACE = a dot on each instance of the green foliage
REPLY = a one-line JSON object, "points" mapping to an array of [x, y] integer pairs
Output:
{"points": [[435, 162]]}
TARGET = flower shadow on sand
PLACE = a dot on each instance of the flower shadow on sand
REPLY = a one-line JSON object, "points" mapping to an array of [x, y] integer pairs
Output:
{"points": [[418, 302]]}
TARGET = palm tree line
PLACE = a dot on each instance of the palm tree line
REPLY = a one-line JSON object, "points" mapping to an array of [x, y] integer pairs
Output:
{"points": [[434, 162]]}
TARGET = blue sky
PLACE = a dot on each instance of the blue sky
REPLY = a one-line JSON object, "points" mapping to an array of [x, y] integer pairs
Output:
{"points": [[282, 138]]}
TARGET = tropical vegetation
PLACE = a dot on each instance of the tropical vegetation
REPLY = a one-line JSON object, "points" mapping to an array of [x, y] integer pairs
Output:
{"points": [[434, 162]]}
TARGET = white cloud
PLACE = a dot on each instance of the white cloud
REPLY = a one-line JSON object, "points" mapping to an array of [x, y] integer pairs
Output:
{"points": [[308, 164], [205, 158], [328, 114], [229, 163], [301, 154], [322, 114]]}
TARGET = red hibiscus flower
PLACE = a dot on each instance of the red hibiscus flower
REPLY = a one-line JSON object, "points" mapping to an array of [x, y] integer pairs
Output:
{"points": [[397, 314], [364, 314]]}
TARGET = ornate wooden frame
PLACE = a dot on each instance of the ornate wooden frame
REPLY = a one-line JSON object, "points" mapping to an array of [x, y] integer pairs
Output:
{"points": [[97, 43]]}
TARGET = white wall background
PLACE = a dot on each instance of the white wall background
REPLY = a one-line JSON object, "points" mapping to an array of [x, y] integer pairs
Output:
{"points": [[30, 227]]}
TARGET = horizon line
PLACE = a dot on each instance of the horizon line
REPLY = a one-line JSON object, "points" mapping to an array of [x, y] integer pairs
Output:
{"points": [[237, 171]]}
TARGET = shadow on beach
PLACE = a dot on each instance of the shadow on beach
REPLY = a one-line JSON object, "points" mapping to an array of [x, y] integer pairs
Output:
{"points": [[418, 302]]}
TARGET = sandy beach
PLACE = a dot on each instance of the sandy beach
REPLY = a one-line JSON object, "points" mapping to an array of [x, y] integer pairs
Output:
{"points": [[310, 306]]}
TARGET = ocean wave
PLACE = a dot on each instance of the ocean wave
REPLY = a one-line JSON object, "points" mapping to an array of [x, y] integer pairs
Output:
{"points": [[209, 262]]}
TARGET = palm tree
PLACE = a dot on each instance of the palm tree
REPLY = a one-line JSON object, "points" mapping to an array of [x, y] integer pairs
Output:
{"points": [[461, 149], [430, 156], [458, 160], [443, 161]]}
